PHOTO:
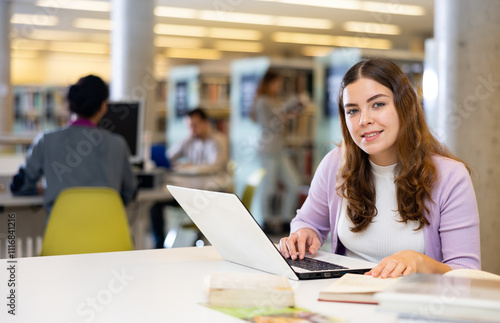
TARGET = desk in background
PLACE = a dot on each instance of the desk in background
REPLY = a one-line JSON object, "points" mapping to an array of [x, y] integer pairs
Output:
{"points": [[31, 216], [161, 285]]}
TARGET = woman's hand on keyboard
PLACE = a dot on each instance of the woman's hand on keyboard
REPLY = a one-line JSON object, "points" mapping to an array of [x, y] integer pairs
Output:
{"points": [[298, 243]]}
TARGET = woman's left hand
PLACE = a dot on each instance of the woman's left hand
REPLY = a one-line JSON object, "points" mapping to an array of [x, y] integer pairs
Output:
{"points": [[401, 263], [407, 262]]}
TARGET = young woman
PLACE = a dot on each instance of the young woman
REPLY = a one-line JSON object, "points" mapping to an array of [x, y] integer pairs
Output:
{"points": [[391, 194], [79, 154]]}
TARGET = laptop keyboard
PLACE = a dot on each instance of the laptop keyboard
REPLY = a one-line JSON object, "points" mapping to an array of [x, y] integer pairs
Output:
{"points": [[313, 264]]}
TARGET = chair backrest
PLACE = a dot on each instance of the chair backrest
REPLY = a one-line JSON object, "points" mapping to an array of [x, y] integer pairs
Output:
{"points": [[253, 182], [87, 220]]}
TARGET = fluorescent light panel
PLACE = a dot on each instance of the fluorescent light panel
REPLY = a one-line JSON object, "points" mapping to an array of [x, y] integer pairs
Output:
{"points": [[180, 30], [240, 17], [28, 44], [238, 46], [178, 42], [372, 6], [313, 23], [88, 5], [372, 28], [23, 53], [232, 33], [60, 35], [176, 12], [236, 17], [90, 23], [79, 47], [328, 40], [193, 53], [38, 20]]}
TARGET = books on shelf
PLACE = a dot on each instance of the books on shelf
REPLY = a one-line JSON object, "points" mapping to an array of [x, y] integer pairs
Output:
{"points": [[353, 288], [455, 296], [249, 290]]}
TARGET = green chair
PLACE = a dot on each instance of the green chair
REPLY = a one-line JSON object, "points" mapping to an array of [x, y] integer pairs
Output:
{"points": [[87, 220], [251, 186]]}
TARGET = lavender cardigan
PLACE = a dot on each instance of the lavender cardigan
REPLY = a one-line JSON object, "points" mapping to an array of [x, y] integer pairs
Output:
{"points": [[452, 236]]}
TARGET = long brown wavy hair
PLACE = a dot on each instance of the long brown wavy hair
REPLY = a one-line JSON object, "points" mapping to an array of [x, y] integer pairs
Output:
{"points": [[415, 170]]}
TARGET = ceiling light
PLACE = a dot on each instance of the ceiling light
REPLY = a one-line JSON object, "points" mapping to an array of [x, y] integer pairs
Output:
{"points": [[28, 44], [303, 22], [79, 47], [180, 30], [236, 17], [88, 5], [393, 8], [175, 12], [385, 7], [23, 53], [328, 40], [193, 53], [238, 46], [178, 42], [301, 38], [372, 28], [337, 4], [231, 33], [90, 23], [316, 50], [38, 20], [61, 35]]}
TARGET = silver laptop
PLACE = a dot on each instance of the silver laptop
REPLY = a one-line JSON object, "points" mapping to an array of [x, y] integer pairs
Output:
{"points": [[238, 238]]}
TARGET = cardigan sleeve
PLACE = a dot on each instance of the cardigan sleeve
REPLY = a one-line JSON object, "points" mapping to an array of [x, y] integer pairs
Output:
{"points": [[315, 212], [459, 217]]}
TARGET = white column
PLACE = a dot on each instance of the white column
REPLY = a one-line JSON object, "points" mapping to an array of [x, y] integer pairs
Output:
{"points": [[6, 115], [132, 54], [468, 45]]}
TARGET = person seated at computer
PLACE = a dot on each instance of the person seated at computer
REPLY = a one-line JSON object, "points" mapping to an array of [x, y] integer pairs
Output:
{"points": [[204, 151], [391, 193], [79, 154]]}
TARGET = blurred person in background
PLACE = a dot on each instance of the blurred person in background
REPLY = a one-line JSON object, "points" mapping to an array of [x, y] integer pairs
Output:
{"points": [[79, 154], [271, 112], [205, 151]]}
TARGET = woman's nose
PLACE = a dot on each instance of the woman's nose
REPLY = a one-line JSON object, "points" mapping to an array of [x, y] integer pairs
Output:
{"points": [[365, 119]]}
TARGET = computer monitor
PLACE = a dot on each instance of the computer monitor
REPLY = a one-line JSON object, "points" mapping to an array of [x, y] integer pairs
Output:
{"points": [[126, 118]]}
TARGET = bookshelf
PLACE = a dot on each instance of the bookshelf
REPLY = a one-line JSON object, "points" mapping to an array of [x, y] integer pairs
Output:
{"points": [[38, 108]]}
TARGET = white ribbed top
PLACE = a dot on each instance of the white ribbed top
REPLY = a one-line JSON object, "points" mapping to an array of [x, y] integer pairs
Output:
{"points": [[385, 235]]}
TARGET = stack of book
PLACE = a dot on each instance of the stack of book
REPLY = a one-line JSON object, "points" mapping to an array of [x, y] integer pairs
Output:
{"points": [[249, 290], [453, 296]]}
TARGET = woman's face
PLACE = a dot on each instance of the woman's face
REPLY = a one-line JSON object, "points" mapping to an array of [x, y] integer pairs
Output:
{"points": [[275, 86], [372, 120]]}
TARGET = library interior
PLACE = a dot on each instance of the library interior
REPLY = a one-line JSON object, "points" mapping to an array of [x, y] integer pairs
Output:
{"points": [[265, 75]]}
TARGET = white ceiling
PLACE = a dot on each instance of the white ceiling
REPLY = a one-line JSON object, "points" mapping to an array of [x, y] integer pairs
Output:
{"points": [[414, 29]]}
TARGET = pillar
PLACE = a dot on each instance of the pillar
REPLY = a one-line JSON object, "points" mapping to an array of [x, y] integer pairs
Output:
{"points": [[467, 37], [132, 55], [6, 115]]}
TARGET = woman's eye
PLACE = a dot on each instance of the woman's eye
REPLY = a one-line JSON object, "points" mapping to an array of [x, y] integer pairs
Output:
{"points": [[378, 104], [351, 111]]}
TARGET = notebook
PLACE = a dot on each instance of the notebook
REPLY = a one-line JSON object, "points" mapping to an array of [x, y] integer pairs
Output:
{"points": [[238, 238]]}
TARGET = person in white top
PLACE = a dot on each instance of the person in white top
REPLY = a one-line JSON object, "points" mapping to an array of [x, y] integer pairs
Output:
{"points": [[204, 151]]}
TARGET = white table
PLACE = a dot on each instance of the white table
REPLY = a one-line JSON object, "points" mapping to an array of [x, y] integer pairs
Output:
{"points": [[165, 285]]}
